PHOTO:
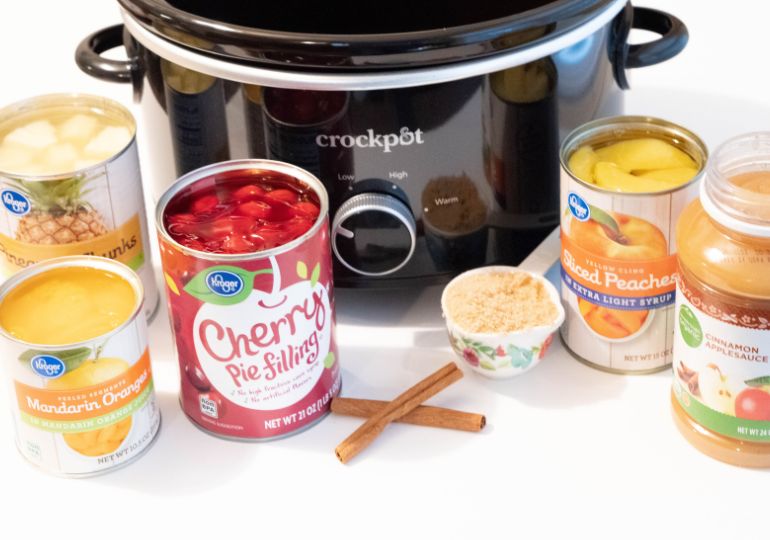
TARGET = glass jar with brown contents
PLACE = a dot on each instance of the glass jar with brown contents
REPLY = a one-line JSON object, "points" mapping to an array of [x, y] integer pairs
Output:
{"points": [[721, 389]]}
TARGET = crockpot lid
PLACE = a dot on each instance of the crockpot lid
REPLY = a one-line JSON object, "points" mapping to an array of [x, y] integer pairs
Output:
{"points": [[345, 35]]}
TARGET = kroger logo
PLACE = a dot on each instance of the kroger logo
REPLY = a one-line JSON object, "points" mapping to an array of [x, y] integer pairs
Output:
{"points": [[224, 283], [578, 207], [15, 202], [47, 366]]}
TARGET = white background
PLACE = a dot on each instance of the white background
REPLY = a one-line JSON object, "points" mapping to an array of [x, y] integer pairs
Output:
{"points": [[568, 450]]}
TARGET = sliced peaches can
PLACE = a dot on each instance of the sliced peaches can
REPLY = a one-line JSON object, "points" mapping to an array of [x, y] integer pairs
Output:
{"points": [[624, 182], [75, 336]]}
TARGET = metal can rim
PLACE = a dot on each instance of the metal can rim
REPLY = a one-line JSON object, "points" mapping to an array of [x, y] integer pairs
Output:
{"points": [[64, 99], [92, 261], [583, 133], [242, 164]]}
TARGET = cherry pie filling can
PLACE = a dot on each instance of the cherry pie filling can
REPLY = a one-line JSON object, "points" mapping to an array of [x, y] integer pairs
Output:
{"points": [[247, 265]]}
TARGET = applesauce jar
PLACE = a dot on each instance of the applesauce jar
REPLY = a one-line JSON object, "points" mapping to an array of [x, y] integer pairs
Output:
{"points": [[721, 388], [624, 182]]}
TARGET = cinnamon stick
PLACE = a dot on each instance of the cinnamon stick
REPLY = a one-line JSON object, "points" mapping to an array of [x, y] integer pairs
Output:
{"points": [[406, 402], [424, 415]]}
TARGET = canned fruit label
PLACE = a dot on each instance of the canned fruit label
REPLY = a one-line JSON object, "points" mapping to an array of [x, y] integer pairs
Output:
{"points": [[721, 356], [94, 204], [96, 422], [255, 341], [73, 216], [100, 413], [84, 408], [619, 274], [280, 345], [626, 268], [243, 216]]}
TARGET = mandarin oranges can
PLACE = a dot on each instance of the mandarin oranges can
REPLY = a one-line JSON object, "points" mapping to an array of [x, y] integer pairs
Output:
{"points": [[76, 353]]}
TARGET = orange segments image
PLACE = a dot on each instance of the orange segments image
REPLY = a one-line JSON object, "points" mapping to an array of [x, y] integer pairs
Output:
{"points": [[98, 442]]}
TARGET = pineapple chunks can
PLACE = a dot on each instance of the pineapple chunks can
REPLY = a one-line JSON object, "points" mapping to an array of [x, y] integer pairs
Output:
{"points": [[70, 184], [624, 182], [77, 362]]}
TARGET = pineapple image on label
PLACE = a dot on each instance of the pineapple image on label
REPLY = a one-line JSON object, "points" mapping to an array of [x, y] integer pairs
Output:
{"points": [[59, 212], [76, 215]]}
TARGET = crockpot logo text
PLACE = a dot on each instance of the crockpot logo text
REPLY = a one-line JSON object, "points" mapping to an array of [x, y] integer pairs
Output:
{"points": [[405, 137]]}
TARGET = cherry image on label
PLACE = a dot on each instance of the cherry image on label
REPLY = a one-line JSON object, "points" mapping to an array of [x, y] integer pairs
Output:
{"points": [[247, 267]]}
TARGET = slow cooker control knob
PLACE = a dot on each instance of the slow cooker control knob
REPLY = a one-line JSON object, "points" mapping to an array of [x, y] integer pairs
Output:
{"points": [[373, 234]]}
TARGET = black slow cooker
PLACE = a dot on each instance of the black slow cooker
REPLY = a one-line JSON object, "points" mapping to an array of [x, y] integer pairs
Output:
{"points": [[434, 125]]}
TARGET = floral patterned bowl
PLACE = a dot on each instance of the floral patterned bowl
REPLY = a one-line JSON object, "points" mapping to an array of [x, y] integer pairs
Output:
{"points": [[503, 355]]}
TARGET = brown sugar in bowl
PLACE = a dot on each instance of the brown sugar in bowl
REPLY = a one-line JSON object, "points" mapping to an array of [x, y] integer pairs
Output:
{"points": [[500, 319]]}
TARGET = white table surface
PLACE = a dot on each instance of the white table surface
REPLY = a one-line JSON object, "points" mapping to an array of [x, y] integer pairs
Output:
{"points": [[568, 449]]}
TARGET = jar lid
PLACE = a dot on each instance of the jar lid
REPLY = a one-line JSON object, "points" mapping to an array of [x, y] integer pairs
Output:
{"points": [[730, 203]]}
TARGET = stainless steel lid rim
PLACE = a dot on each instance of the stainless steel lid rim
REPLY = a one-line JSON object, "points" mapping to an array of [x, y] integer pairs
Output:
{"points": [[241, 42], [168, 16], [352, 81]]}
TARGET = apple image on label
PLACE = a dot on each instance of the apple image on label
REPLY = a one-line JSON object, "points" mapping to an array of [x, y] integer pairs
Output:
{"points": [[266, 352]]}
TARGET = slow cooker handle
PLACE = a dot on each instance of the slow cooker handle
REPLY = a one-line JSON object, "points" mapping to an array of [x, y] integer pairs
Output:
{"points": [[89, 59], [673, 40]]}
